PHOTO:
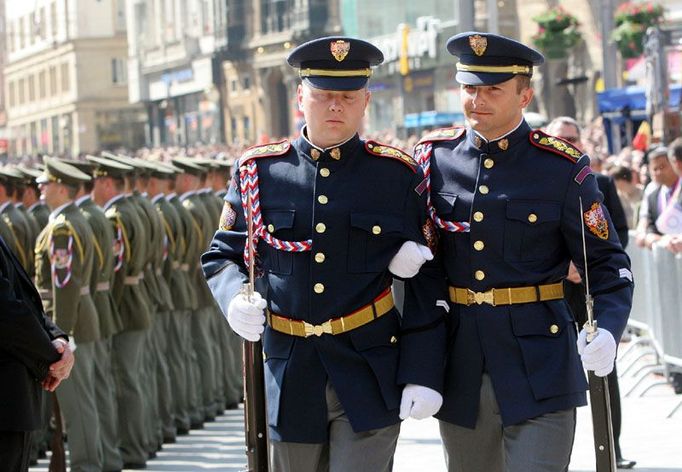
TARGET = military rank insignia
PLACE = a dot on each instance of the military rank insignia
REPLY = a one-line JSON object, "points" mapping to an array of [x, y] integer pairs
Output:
{"points": [[596, 222], [431, 235], [227, 217], [555, 145]]}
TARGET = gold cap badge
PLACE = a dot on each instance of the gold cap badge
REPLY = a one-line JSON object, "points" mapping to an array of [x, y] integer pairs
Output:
{"points": [[478, 44], [340, 49]]}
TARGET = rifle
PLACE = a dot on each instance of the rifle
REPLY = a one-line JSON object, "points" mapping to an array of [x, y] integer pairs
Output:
{"points": [[600, 403], [58, 458], [255, 419]]}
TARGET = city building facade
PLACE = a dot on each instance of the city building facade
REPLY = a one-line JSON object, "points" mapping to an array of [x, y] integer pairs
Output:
{"points": [[66, 79]]}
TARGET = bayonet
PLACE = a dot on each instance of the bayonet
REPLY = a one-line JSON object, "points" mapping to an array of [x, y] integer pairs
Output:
{"points": [[604, 447]]}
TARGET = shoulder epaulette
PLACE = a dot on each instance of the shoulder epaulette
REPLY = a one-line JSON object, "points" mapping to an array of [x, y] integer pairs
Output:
{"points": [[444, 134], [383, 150], [265, 150], [556, 145]]}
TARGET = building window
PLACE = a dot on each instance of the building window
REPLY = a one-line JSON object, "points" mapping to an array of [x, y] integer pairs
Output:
{"points": [[22, 33], [233, 86], [65, 75], [42, 85], [21, 98], [43, 27], [12, 91], [53, 81], [247, 127], [10, 37], [247, 82], [118, 71], [32, 28], [31, 88], [53, 19]]}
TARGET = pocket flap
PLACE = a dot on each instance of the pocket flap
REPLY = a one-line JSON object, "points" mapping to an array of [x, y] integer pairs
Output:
{"points": [[381, 332], [533, 319], [444, 203], [532, 212], [377, 224], [279, 219]]}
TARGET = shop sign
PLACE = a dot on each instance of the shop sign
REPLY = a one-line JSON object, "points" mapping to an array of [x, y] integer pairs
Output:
{"points": [[422, 41]]}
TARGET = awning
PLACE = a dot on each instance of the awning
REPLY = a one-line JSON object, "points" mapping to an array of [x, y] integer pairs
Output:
{"points": [[613, 102]]}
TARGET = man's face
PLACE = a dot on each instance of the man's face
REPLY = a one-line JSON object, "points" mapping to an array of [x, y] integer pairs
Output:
{"points": [[493, 110], [102, 190], [331, 116], [661, 171], [676, 165], [50, 194], [567, 132]]}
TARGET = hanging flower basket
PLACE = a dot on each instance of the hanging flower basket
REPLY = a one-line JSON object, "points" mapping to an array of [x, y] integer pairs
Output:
{"points": [[557, 33], [631, 22]]}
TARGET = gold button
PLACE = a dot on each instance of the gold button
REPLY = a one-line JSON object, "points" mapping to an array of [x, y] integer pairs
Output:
{"points": [[488, 163], [479, 245], [376, 229], [554, 329], [394, 340], [320, 257], [532, 217], [322, 199], [483, 189], [478, 217], [320, 227], [480, 275], [319, 288], [324, 172], [271, 228]]}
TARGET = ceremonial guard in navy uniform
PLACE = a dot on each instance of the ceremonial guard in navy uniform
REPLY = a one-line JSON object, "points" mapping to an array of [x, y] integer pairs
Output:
{"points": [[64, 264], [331, 213], [130, 248], [506, 201]]}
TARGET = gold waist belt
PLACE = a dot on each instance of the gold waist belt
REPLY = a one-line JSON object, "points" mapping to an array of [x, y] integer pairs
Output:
{"points": [[507, 296]]}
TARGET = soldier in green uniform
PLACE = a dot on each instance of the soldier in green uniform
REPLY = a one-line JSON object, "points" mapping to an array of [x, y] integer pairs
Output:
{"points": [[109, 320], [21, 182], [129, 248], [64, 263], [31, 198], [193, 236], [15, 224], [160, 424]]}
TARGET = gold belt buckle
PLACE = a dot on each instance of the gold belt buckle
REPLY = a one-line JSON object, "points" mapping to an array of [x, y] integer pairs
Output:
{"points": [[317, 330], [481, 297]]}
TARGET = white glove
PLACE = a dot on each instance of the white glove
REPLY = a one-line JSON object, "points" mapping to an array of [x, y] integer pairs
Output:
{"points": [[598, 355], [409, 259], [246, 316], [419, 402]]}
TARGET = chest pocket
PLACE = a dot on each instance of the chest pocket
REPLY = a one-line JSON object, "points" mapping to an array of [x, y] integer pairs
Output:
{"points": [[373, 240], [444, 204], [279, 223], [531, 230]]}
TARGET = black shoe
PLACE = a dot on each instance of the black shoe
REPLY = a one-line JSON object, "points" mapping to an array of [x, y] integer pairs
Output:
{"points": [[197, 425], [183, 431], [232, 406], [152, 455], [33, 462], [134, 465], [169, 440], [625, 463]]}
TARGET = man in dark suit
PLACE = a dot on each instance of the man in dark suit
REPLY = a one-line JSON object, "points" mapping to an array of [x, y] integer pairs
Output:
{"points": [[667, 181], [34, 354]]}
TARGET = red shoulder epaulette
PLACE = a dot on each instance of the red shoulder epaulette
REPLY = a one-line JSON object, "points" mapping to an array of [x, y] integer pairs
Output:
{"points": [[556, 145], [265, 150], [383, 150], [444, 134]]}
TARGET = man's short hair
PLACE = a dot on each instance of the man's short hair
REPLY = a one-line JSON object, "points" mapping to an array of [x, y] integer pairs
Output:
{"points": [[655, 153], [563, 120], [621, 173], [522, 83], [675, 150]]}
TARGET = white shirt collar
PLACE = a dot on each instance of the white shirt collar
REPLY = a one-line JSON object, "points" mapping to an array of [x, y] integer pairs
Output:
{"points": [[81, 199], [112, 201], [55, 213], [4, 205], [171, 196], [157, 197], [34, 205], [186, 195]]}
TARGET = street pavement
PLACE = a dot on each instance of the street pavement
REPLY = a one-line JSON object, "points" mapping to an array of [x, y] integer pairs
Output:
{"points": [[649, 436]]}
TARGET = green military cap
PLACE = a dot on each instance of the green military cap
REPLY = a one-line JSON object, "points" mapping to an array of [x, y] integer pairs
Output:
{"points": [[108, 168], [62, 173], [11, 175], [189, 165], [138, 165], [208, 164], [162, 171], [84, 166], [30, 175]]}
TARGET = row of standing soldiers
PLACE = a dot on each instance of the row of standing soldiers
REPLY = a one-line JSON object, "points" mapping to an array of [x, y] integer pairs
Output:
{"points": [[115, 256]]}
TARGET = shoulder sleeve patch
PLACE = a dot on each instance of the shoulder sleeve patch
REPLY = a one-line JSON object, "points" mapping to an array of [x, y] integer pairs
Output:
{"points": [[383, 150], [556, 145], [444, 134], [266, 150]]}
